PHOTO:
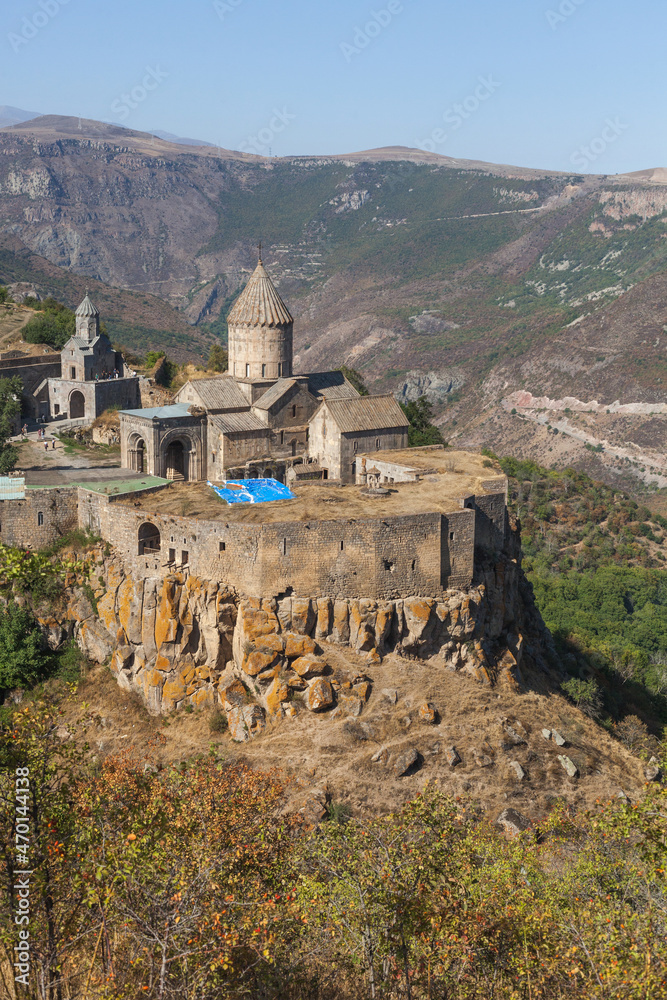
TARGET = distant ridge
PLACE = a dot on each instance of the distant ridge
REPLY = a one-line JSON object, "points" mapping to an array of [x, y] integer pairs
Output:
{"points": [[13, 116]]}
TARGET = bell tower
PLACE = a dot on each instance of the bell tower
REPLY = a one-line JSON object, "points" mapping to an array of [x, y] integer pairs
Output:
{"points": [[260, 331], [87, 320]]}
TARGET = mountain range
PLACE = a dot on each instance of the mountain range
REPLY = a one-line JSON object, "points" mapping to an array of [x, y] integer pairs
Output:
{"points": [[528, 305]]}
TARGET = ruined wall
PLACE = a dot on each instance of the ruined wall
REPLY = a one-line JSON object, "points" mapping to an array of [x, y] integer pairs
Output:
{"points": [[44, 516], [492, 526]]}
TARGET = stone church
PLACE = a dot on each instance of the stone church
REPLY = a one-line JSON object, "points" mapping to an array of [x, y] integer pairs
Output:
{"points": [[259, 420], [93, 377]]}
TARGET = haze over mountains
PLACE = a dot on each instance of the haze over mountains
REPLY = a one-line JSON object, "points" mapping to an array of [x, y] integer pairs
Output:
{"points": [[469, 281]]}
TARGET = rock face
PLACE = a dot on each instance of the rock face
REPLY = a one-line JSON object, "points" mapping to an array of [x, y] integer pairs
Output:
{"points": [[183, 640]]}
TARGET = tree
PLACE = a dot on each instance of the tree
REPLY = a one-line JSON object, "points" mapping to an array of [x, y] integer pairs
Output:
{"points": [[53, 325], [10, 408], [23, 662], [217, 358], [4, 294], [422, 431], [355, 378]]}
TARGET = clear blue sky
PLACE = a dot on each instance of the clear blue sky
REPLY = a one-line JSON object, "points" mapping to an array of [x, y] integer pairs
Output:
{"points": [[556, 71]]}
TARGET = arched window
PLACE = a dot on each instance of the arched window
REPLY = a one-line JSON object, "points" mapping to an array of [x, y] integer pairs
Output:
{"points": [[40, 519], [377, 444], [149, 539], [247, 371], [294, 409]]}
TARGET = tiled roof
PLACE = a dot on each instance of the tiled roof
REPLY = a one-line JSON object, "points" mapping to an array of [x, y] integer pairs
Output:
{"points": [[231, 423], [366, 413], [87, 308], [275, 393], [259, 303], [331, 385], [220, 393]]}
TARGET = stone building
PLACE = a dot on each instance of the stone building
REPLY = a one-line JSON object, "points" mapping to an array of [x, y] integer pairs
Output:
{"points": [[93, 377], [258, 420]]}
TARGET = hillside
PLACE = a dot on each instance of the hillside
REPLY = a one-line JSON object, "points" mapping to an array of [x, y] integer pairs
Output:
{"points": [[468, 281], [137, 320]]}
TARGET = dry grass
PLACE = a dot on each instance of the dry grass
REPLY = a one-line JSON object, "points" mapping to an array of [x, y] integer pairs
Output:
{"points": [[317, 501], [319, 751]]}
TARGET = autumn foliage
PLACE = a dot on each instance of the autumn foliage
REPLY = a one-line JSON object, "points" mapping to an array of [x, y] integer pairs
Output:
{"points": [[196, 883]]}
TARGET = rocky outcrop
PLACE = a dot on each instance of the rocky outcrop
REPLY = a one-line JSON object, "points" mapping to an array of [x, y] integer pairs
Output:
{"points": [[182, 640]]}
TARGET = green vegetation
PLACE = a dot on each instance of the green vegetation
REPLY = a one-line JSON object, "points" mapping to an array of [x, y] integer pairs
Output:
{"points": [[355, 379], [597, 562], [217, 358], [10, 408], [422, 431], [195, 871], [153, 357], [23, 661], [4, 295], [53, 325]]}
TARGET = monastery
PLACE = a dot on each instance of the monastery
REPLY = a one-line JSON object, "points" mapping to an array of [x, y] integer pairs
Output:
{"points": [[259, 420]]}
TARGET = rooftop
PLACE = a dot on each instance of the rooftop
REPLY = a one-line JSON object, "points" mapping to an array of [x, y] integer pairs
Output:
{"points": [[176, 410], [259, 304], [366, 413], [319, 501]]}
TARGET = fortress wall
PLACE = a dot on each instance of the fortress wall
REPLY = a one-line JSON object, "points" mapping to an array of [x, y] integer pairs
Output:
{"points": [[390, 558], [20, 519], [457, 548], [491, 521], [390, 471]]}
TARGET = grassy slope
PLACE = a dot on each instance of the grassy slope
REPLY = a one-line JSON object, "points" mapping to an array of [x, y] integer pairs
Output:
{"points": [[598, 565]]}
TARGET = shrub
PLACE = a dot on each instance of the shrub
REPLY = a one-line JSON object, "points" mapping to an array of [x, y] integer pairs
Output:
{"points": [[586, 695], [23, 661], [217, 722]]}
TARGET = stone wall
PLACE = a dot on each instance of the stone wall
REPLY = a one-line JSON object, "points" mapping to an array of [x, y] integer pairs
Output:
{"points": [[32, 371], [40, 519], [98, 395]]}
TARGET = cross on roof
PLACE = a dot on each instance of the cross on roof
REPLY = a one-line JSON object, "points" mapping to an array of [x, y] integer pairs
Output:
{"points": [[260, 251]]}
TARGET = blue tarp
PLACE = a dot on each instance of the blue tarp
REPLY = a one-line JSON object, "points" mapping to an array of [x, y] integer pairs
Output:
{"points": [[254, 491]]}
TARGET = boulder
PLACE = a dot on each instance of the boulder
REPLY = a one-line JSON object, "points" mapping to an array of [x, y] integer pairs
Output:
{"points": [[559, 740], [260, 660], [245, 722], [518, 770], [309, 666], [299, 645], [513, 822], [320, 695], [380, 756], [452, 755], [406, 761], [428, 714], [390, 695], [653, 772], [232, 693], [546, 733], [351, 706], [568, 766]]}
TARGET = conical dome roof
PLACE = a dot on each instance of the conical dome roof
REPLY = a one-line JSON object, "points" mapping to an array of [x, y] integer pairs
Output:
{"points": [[87, 308], [259, 303]]}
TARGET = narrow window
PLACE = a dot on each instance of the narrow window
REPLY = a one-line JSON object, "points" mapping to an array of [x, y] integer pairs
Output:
{"points": [[294, 409], [282, 437], [247, 371], [342, 546], [172, 554], [377, 444], [56, 408], [413, 565], [222, 546], [283, 547], [40, 519], [280, 369], [72, 372], [355, 447], [184, 558], [451, 536], [263, 371]]}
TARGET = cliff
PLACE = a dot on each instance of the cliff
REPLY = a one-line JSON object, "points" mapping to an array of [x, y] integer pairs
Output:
{"points": [[182, 640]]}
